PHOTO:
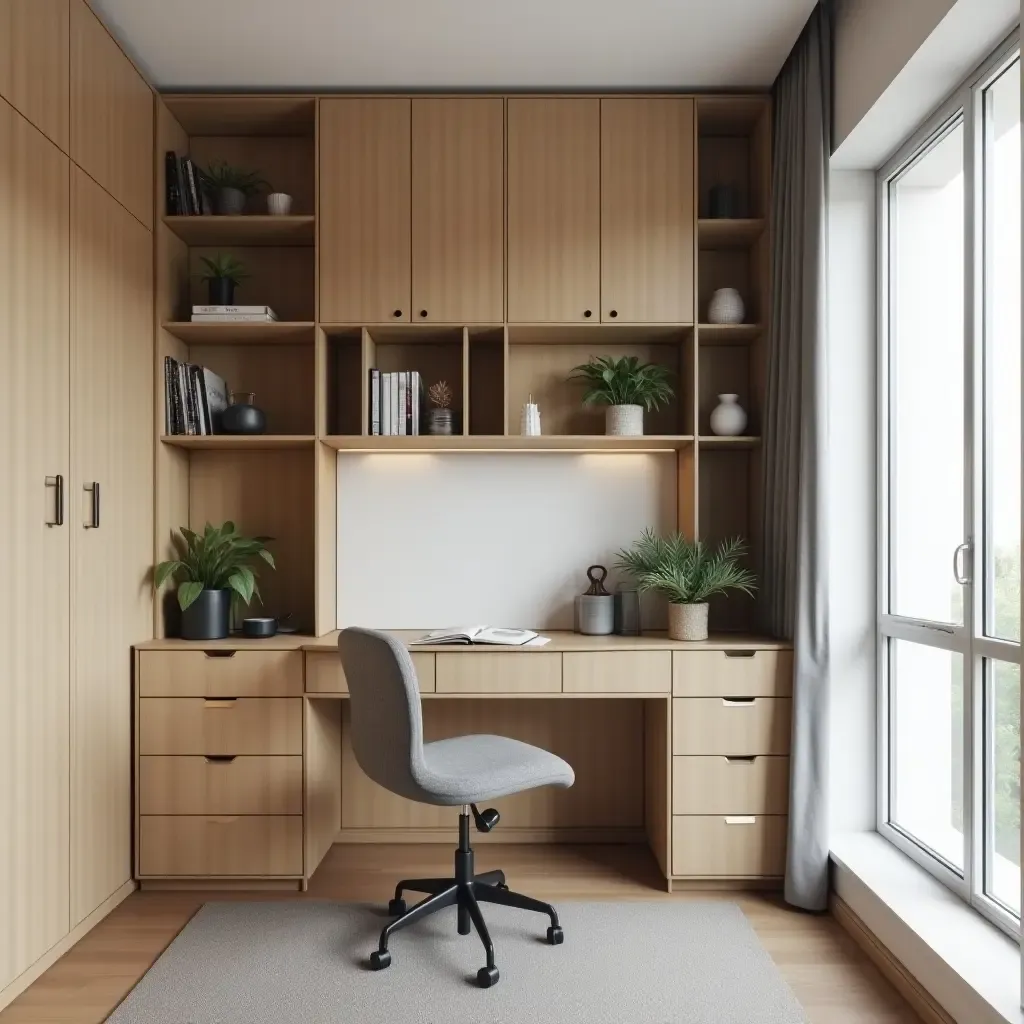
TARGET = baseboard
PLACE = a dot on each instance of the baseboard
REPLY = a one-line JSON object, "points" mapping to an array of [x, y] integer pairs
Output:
{"points": [[920, 1000], [500, 835], [724, 884], [14, 989], [220, 885]]}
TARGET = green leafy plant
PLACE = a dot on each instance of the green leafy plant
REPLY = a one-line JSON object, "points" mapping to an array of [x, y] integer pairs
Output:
{"points": [[217, 559], [222, 266], [624, 381], [220, 174], [685, 571]]}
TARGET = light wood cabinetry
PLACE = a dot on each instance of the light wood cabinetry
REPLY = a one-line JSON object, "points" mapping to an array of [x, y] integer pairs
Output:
{"points": [[723, 784], [458, 213], [206, 726], [324, 673], [217, 673], [499, 673], [554, 209], [111, 115], [34, 69], [712, 725], [739, 673], [34, 606], [617, 672], [729, 846]]}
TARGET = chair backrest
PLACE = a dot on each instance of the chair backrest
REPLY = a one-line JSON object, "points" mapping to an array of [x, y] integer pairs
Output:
{"points": [[387, 723]]}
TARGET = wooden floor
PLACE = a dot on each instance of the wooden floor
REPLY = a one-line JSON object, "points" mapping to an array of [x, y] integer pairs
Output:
{"points": [[830, 976]]}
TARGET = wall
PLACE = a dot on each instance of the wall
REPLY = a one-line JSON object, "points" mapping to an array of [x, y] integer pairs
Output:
{"points": [[438, 540]]}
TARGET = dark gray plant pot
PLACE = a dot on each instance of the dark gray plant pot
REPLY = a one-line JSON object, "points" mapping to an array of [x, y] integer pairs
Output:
{"points": [[230, 201], [440, 422], [243, 419], [208, 617], [221, 291]]}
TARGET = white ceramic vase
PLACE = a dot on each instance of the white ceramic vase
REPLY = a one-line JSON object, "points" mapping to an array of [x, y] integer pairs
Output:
{"points": [[688, 622], [624, 420], [728, 418], [726, 307], [279, 204]]}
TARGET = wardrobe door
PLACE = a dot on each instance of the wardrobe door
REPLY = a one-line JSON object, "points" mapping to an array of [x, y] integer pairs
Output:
{"points": [[647, 209], [34, 555], [111, 518]]}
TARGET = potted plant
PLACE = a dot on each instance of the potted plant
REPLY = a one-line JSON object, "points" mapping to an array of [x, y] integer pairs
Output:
{"points": [[231, 186], [627, 387], [221, 274], [212, 568], [440, 418], [687, 573]]}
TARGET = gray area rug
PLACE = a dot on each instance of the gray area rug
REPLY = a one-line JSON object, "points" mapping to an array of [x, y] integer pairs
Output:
{"points": [[304, 962]]}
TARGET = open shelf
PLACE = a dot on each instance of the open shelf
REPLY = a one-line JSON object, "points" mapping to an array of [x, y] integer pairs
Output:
{"points": [[242, 332], [239, 442], [728, 334], [722, 233], [243, 115], [513, 443], [245, 229], [713, 441]]}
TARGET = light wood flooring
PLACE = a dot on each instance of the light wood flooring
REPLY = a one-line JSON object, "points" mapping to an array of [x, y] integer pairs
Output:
{"points": [[832, 979]]}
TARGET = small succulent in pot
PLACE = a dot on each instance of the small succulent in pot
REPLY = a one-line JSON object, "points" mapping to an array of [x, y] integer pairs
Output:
{"points": [[231, 186], [221, 274], [627, 387], [211, 569], [440, 419]]}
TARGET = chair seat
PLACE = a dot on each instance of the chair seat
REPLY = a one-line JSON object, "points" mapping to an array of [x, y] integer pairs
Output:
{"points": [[469, 769]]}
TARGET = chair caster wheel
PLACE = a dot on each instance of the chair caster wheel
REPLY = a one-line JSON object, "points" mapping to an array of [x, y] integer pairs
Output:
{"points": [[555, 936], [379, 960], [396, 908], [502, 885], [487, 976]]}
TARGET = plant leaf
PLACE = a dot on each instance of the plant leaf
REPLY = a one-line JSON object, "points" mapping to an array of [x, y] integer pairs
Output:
{"points": [[188, 592]]}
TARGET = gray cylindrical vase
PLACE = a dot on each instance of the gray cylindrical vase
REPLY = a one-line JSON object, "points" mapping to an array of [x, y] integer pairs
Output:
{"points": [[595, 614], [624, 420], [440, 422], [230, 201], [688, 622], [208, 617]]}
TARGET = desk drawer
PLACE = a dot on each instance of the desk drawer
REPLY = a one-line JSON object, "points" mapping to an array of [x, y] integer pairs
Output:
{"points": [[324, 673], [480, 672], [220, 845], [235, 785], [740, 673], [724, 785], [617, 672], [246, 725], [220, 673], [717, 725], [736, 846]]}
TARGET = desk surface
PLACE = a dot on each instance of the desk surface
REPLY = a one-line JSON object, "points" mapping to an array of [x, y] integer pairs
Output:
{"points": [[561, 642]]}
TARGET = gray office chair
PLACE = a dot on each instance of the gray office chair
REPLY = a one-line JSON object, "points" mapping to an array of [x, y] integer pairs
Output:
{"points": [[387, 740]]}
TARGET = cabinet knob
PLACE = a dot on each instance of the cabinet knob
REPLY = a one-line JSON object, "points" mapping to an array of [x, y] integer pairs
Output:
{"points": [[613, 313], [423, 312], [586, 313], [397, 313]]}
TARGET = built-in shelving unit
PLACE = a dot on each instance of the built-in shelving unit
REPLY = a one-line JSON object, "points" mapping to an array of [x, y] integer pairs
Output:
{"points": [[251, 229]]}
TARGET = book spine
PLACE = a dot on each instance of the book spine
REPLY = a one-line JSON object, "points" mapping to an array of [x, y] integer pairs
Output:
{"points": [[193, 185], [385, 404], [167, 396], [375, 402], [230, 318], [172, 197], [393, 417], [204, 403], [190, 393], [177, 425], [186, 206], [408, 404], [263, 310]]}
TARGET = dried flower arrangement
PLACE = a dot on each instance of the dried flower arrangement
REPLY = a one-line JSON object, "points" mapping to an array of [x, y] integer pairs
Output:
{"points": [[440, 394]]}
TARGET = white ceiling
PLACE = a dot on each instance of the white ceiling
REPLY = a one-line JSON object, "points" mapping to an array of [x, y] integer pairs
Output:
{"points": [[457, 44]]}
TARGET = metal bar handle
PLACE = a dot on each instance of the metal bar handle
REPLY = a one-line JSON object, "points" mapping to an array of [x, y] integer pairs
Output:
{"points": [[57, 482], [960, 550], [94, 523]]}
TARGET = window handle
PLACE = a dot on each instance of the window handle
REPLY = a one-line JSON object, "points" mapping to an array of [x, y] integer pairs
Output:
{"points": [[960, 554]]}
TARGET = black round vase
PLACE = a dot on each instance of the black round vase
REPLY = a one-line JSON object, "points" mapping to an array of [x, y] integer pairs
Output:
{"points": [[208, 617], [243, 419], [221, 291]]}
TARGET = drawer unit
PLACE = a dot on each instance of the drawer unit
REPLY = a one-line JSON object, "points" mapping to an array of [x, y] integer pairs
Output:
{"points": [[735, 673], [244, 725], [730, 785], [324, 673], [617, 672], [719, 725], [716, 846], [219, 673], [220, 845], [525, 672], [220, 785]]}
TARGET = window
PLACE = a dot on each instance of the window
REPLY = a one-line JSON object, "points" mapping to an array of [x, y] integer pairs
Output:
{"points": [[950, 461]]}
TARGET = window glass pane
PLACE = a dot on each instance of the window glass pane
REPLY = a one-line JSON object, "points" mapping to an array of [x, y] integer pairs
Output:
{"points": [[926, 752], [926, 400], [1001, 535], [1002, 784]]}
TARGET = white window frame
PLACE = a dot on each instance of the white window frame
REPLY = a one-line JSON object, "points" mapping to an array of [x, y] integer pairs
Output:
{"points": [[968, 639]]}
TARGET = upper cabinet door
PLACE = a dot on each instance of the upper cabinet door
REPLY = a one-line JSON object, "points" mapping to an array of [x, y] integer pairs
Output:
{"points": [[458, 210], [364, 210], [554, 210], [34, 66], [647, 210], [111, 115]]}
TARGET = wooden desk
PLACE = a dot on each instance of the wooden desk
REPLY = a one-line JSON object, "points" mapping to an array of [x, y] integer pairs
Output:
{"points": [[245, 774]]}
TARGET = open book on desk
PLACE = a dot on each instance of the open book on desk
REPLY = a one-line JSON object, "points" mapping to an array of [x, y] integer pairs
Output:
{"points": [[483, 635]]}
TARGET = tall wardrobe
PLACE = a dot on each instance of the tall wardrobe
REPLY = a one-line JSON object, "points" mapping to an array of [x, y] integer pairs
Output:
{"points": [[76, 468]]}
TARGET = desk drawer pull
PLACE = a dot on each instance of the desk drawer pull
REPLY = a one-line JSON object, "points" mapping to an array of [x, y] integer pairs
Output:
{"points": [[738, 702], [741, 758], [219, 654], [219, 758], [219, 702], [740, 654], [744, 819]]}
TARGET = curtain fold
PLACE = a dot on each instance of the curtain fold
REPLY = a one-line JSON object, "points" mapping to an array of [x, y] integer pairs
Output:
{"points": [[794, 597]]}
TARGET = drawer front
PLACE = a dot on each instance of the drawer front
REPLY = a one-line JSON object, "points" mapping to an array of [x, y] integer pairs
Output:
{"points": [[220, 845], [478, 672], [220, 674], [730, 785], [617, 672], [715, 846], [717, 725], [229, 785], [324, 673], [246, 725], [743, 673]]}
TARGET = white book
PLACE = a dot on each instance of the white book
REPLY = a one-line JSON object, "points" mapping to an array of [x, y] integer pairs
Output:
{"points": [[394, 403], [416, 388], [375, 402], [225, 318], [385, 404], [482, 635], [265, 310], [403, 402]]}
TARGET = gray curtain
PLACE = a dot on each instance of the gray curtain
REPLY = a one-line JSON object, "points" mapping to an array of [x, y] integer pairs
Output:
{"points": [[794, 598]]}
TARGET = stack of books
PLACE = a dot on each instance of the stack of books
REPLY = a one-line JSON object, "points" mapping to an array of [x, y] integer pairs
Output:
{"points": [[395, 403], [194, 398], [184, 187], [233, 314]]}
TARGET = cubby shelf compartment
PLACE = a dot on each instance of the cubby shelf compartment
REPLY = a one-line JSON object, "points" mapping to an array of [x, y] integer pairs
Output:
{"points": [[239, 442], [713, 233], [728, 334], [510, 443], [713, 441], [241, 332], [245, 229]]}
